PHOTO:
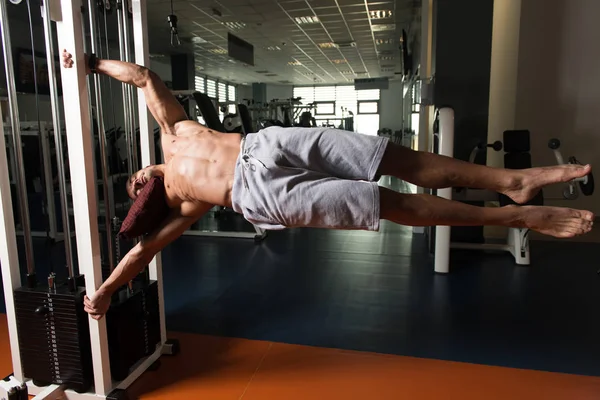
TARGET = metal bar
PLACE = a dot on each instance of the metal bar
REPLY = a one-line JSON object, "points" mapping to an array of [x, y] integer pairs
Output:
{"points": [[127, 116], [44, 138], [102, 139], [9, 256], [62, 184], [130, 108], [17, 146], [89, 90], [142, 57], [83, 177]]}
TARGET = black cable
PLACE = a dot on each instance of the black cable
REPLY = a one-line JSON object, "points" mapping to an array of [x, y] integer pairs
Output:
{"points": [[40, 152]]}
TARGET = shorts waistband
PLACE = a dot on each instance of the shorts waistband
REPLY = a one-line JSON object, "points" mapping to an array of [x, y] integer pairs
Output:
{"points": [[245, 160]]}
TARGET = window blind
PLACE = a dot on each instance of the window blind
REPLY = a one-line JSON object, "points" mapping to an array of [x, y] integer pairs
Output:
{"points": [[222, 92], [199, 84], [231, 93], [211, 88]]}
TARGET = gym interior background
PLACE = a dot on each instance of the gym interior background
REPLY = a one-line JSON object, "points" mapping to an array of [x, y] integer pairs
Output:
{"points": [[341, 314]]}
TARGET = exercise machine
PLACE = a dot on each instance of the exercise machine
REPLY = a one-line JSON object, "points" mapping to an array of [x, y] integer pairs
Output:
{"points": [[586, 184], [516, 144], [57, 350], [517, 242]]}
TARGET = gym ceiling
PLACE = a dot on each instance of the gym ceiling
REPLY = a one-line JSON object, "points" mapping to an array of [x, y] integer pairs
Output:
{"points": [[300, 42]]}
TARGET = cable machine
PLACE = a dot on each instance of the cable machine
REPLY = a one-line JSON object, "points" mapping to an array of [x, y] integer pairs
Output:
{"points": [[58, 351]]}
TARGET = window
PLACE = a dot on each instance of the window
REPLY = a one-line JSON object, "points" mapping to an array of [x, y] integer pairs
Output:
{"points": [[325, 108], [222, 95], [345, 101], [199, 84], [211, 88], [231, 93], [231, 109], [306, 93], [368, 107]]}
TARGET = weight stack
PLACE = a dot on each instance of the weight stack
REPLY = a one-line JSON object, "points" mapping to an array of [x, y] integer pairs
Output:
{"points": [[54, 337], [133, 324]]}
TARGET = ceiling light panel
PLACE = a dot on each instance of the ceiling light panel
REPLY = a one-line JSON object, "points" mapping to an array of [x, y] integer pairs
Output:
{"points": [[381, 42], [383, 27], [217, 51], [307, 20], [234, 25], [380, 14], [328, 45]]}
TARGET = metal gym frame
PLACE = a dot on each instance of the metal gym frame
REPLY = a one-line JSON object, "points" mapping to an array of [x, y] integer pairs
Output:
{"points": [[44, 134], [517, 241], [68, 17]]}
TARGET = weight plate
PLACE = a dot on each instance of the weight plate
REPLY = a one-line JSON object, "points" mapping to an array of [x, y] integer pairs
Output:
{"points": [[16, 1], [567, 194], [587, 188]]}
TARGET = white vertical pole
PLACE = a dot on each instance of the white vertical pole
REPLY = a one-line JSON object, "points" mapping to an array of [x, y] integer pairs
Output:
{"points": [[83, 178], [9, 257], [425, 67], [442, 233], [142, 57]]}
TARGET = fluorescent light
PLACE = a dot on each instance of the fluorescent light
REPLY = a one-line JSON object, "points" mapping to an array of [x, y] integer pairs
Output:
{"points": [[234, 25], [328, 45], [384, 41], [198, 40], [380, 14], [311, 19], [347, 72], [273, 48], [383, 27], [386, 58], [217, 51], [294, 63], [338, 61]]}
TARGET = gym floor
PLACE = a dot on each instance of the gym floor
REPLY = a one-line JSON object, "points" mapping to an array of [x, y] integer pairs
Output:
{"points": [[340, 314]]}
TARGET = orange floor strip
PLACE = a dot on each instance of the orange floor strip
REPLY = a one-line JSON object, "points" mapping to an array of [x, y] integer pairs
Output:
{"points": [[232, 369]]}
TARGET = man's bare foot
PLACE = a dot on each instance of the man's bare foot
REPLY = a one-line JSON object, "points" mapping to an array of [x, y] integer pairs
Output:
{"points": [[528, 182], [556, 221]]}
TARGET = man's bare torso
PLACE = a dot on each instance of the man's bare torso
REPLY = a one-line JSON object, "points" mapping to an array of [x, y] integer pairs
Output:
{"points": [[199, 166]]}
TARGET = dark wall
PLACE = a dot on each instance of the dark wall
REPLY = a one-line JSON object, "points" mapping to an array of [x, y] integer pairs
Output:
{"points": [[463, 46]]}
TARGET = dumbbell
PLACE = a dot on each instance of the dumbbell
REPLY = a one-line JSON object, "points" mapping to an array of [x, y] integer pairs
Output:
{"points": [[586, 183]]}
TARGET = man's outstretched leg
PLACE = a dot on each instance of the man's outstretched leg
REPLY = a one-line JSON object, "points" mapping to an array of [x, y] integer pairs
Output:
{"points": [[435, 171], [427, 210]]}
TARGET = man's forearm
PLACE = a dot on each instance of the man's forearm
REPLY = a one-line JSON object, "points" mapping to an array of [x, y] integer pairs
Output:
{"points": [[125, 72], [129, 267]]}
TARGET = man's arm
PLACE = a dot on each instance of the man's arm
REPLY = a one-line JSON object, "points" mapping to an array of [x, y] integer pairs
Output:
{"points": [[162, 104], [139, 257]]}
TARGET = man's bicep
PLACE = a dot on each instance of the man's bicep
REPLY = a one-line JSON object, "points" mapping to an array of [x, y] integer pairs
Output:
{"points": [[168, 231], [162, 104], [173, 226]]}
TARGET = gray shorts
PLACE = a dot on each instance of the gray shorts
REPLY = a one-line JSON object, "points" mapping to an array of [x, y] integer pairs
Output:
{"points": [[309, 177]]}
